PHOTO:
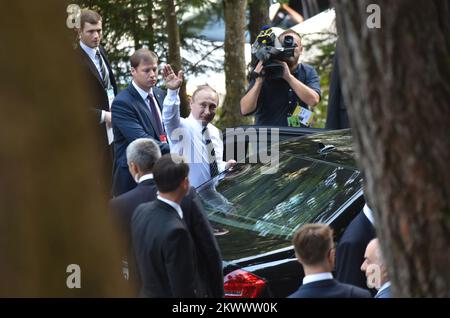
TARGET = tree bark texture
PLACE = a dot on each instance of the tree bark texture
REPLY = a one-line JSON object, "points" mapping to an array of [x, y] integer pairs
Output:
{"points": [[53, 212], [396, 81], [150, 29], [235, 81], [259, 17], [174, 58], [135, 25]]}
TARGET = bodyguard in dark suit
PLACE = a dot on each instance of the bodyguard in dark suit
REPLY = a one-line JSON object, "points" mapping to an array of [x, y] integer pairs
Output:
{"points": [[337, 117], [141, 156], [351, 247], [136, 113], [102, 85], [163, 245], [313, 245]]}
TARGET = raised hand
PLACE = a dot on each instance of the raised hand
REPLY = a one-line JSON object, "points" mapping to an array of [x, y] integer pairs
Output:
{"points": [[171, 80]]}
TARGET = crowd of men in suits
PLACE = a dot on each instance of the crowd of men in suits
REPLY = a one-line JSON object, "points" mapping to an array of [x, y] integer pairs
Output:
{"points": [[139, 228], [172, 252]]}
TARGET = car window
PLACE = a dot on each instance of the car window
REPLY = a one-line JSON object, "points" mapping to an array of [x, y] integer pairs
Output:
{"points": [[302, 190], [341, 141]]}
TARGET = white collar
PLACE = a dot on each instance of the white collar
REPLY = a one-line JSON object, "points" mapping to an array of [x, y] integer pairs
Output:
{"points": [[197, 122], [368, 213], [89, 51], [141, 92], [145, 177], [317, 277], [174, 205], [384, 286]]}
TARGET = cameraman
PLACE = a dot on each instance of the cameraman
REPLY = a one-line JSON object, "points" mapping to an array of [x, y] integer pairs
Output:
{"points": [[276, 99]]}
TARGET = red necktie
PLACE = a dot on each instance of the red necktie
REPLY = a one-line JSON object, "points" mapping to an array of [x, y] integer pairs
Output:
{"points": [[154, 111]]}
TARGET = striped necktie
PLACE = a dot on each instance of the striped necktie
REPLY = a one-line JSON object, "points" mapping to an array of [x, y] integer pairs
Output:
{"points": [[105, 78], [213, 168]]}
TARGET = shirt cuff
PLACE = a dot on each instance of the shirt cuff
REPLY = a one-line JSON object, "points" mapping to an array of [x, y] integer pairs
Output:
{"points": [[172, 96], [102, 117], [221, 165]]}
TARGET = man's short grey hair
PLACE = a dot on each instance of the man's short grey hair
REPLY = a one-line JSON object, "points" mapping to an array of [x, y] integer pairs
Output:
{"points": [[144, 153]]}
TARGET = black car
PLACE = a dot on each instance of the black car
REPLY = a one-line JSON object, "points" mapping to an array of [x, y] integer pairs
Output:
{"points": [[255, 214]]}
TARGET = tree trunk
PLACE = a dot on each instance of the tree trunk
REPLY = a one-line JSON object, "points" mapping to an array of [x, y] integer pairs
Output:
{"points": [[235, 81], [150, 29], [135, 25], [259, 17], [174, 58], [396, 82], [53, 212]]}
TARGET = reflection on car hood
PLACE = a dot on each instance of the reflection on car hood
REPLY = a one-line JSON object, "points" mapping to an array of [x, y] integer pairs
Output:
{"points": [[308, 146], [239, 243], [255, 213]]}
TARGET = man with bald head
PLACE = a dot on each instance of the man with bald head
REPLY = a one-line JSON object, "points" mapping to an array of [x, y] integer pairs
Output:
{"points": [[375, 269], [194, 137]]}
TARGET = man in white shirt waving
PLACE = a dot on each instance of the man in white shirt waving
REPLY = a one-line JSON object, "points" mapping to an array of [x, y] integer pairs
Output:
{"points": [[194, 137]]}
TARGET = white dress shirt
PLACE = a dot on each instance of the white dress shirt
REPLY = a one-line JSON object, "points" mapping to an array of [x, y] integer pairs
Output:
{"points": [[317, 277], [383, 287], [174, 205], [144, 96], [369, 214], [92, 55], [186, 139], [145, 177]]}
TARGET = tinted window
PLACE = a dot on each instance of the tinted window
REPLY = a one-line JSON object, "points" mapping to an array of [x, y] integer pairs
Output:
{"points": [[302, 190], [343, 154]]}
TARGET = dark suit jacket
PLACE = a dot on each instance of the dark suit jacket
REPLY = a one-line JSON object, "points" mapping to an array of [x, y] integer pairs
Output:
{"points": [[131, 119], [337, 117], [207, 251], [329, 288], [350, 251], [96, 83], [98, 102], [164, 251]]}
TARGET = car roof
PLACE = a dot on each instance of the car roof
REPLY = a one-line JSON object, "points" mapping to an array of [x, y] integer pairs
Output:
{"points": [[332, 147]]}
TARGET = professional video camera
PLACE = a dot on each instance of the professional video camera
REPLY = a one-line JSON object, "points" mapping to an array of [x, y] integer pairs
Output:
{"points": [[268, 49]]}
